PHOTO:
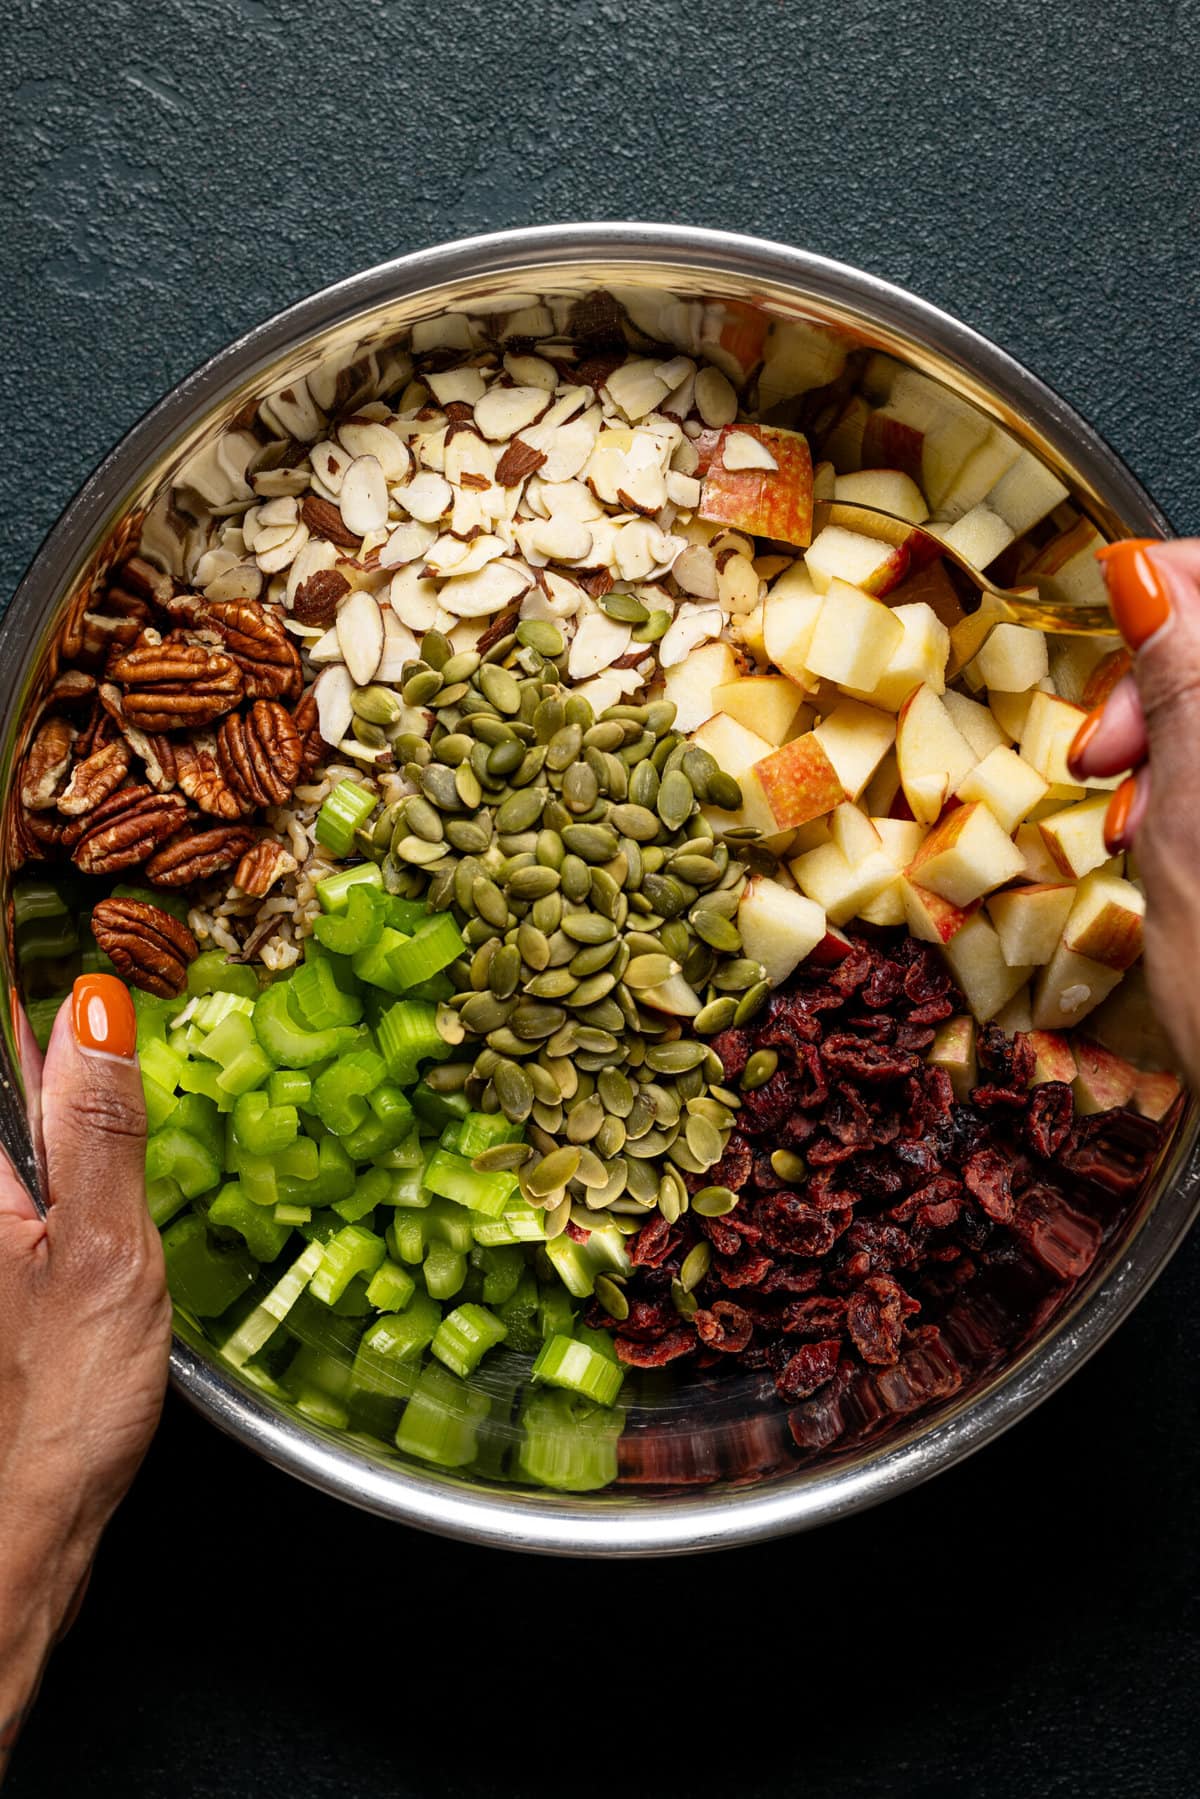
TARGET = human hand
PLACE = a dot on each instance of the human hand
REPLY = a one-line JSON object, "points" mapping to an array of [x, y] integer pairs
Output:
{"points": [[85, 1327], [1150, 723]]}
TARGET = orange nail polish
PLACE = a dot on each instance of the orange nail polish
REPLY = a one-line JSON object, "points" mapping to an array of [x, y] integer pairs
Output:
{"points": [[1137, 591], [1116, 819], [1083, 737], [103, 1016]]}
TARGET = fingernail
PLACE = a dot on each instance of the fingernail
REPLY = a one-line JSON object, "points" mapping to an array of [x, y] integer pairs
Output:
{"points": [[1082, 738], [1121, 819], [1137, 590], [103, 1016]]}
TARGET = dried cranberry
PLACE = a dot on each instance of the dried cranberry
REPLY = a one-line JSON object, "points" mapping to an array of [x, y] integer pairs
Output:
{"points": [[813, 1317], [653, 1243], [988, 1177], [875, 1317], [809, 1369], [724, 1326], [849, 1056], [734, 1048], [1051, 1115], [677, 1342]]}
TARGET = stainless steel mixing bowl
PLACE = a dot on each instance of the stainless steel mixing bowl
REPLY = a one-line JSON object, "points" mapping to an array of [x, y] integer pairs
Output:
{"points": [[702, 291]]}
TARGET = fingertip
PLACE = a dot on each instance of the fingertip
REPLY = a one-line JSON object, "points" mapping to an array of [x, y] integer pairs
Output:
{"points": [[1112, 737]]}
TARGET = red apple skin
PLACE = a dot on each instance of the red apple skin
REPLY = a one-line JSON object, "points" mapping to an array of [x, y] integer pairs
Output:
{"points": [[1103, 1080], [931, 585], [1055, 1058], [892, 574], [799, 782], [1155, 1094], [834, 946], [1059, 551], [775, 503], [1116, 942], [887, 443], [743, 333], [944, 835], [1104, 677], [947, 920]]}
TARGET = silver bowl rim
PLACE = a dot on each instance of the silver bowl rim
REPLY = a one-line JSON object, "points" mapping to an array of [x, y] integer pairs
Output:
{"points": [[708, 1520]]}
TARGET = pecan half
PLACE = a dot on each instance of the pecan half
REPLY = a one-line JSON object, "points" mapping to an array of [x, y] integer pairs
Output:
{"points": [[262, 866], [70, 688], [198, 855], [260, 754], [152, 748], [316, 600], [199, 775], [313, 747], [35, 836], [124, 829], [324, 520], [137, 576], [177, 686], [257, 639], [46, 764], [93, 779], [149, 948]]}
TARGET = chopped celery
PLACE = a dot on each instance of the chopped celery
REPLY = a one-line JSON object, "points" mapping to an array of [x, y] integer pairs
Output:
{"points": [[258, 1175], [391, 1287], [160, 1063], [356, 927], [352, 1251], [454, 1178], [556, 1314], [204, 1078], [374, 963], [408, 1153], [175, 1154], [441, 1420], [289, 1087], [164, 1197], [254, 1331], [334, 891], [563, 1362], [408, 1034], [264, 1129], [432, 947], [464, 1337], [436, 1110], [299, 1160], [578, 1264], [214, 1007], [204, 1277], [316, 999], [405, 914], [37, 899], [445, 1270], [286, 1042], [289, 1214], [519, 1315], [160, 1103], [335, 1171], [231, 1210], [481, 1130], [502, 1267], [518, 1223], [202, 1118], [341, 814], [224, 1041], [392, 1341], [245, 1071], [568, 1443], [211, 973]]}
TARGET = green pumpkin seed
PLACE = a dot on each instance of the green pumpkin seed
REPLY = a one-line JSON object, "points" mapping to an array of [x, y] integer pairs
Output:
{"points": [[704, 1140], [532, 883], [715, 930], [657, 625], [696, 1264], [606, 736], [470, 836], [553, 1171], [500, 688], [554, 983], [564, 747], [533, 944], [591, 1171], [584, 1119], [423, 820], [546, 913], [610, 1138], [789, 1166], [759, 1069], [514, 1090], [592, 988], [521, 810], [576, 878], [638, 822], [716, 1016], [723, 792], [420, 688], [696, 870], [675, 1058], [484, 1012], [488, 901], [714, 1202], [532, 1021], [611, 1297], [505, 971], [505, 759], [540, 635], [460, 667], [650, 971], [737, 976], [751, 1002], [623, 606], [594, 843], [502, 1158], [588, 927]]}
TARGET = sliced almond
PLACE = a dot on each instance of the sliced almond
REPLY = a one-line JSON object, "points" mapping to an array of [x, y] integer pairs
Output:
{"points": [[567, 402], [489, 590], [693, 626], [399, 646], [566, 447], [573, 497], [325, 649], [636, 388], [531, 371], [678, 369], [469, 460], [427, 497], [557, 596], [317, 555], [282, 511], [333, 692], [329, 463], [685, 457], [240, 581], [681, 399], [683, 491], [462, 385], [364, 496], [407, 543], [695, 571], [270, 483], [741, 450], [503, 411], [597, 644], [471, 558], [430, 449], [276, 557], [363, 437], [738, 585], [716, 401], [610, 688], [359, 627], [414, 600], [643, 490], [563, 538]]}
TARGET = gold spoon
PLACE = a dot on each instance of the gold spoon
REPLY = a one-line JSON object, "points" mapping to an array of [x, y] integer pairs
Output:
{"points": [[1019, 605]]}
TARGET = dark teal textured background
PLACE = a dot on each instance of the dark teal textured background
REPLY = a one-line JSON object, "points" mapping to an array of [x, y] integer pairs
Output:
{"points": [[175, 170]]}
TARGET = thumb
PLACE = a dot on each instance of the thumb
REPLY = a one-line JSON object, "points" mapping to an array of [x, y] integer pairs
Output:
{"points": [[94, 1121]]}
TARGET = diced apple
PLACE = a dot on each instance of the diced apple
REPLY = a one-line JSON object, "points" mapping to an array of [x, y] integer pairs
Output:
{"points": [[882, 788], [799, 355], [854, 833], [919, 658], [1103, 1080], [1011, 710], [953, 1051], [1013, 658], [855, 637], [1106, 921], [925, 430], [836, 554], [833, 948], [978, 536], [887, 490], [930, 586], [1057, 796], [1054, 1059], [799, 781], [790, 613], [933, 757], [737, 751], [977, 963], [969, 635], [1029, 921], [1006, 785], [691, 684], [1050, 730], [1040, 865], [1104, 677], [1155, 1094], [1073, 661], [1026, 493], [979, 474], [1067, 568], [778, 926], [812, 835], [843, 445], [773, 499], [856, 738], [765, 704], [1068, 988], [1074, 838], [966, 855], [974, 722], [929, 916], [673, 996], [1017, 1014], [901, 838], [841, 887], [749, 630]]}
